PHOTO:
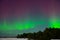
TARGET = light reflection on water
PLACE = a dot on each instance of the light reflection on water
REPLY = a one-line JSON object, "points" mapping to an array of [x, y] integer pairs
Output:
{"points": [[13, 38]]}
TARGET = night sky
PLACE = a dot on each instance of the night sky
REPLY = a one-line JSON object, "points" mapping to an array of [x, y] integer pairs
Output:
{"points": [[21, 16]]}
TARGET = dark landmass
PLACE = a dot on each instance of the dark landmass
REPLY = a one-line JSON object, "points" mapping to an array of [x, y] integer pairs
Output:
{"points": [[49, 33]]}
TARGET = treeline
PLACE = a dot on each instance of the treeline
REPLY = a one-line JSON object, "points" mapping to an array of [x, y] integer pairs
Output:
{"points": [[47, 34]]}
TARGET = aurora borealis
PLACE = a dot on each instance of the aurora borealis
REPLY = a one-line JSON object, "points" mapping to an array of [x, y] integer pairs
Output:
{"points": [[19, 16]]}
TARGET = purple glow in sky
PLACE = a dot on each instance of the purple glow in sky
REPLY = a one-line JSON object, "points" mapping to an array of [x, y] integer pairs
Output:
{"points": [[35, 10]]}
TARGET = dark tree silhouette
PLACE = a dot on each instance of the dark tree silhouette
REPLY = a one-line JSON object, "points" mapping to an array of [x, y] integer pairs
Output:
{"points": [[47, 34]]}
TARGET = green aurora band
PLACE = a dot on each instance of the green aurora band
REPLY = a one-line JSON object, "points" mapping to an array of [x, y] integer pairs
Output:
{"points": [[54, 22], [22, 25], [28, 24]]}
